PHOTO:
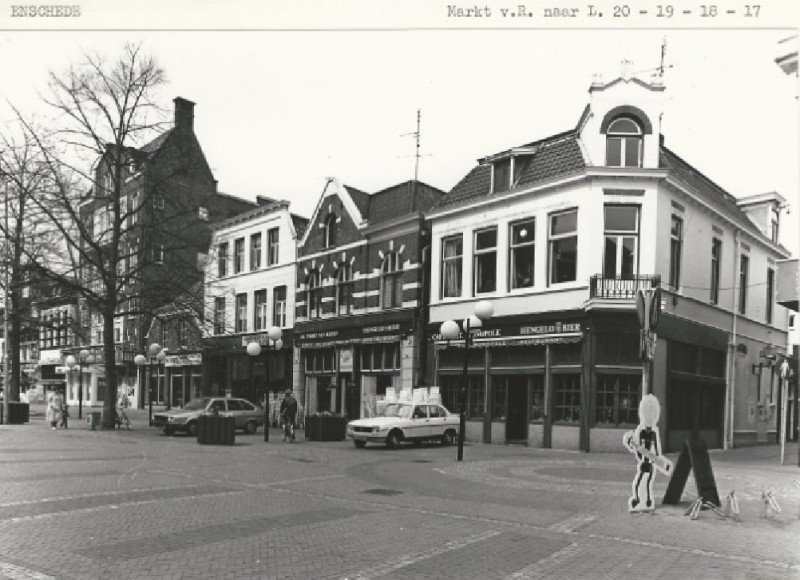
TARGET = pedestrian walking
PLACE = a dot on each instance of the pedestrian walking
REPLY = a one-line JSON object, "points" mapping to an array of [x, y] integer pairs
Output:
{"points": [[53, 413], [64, 414]]}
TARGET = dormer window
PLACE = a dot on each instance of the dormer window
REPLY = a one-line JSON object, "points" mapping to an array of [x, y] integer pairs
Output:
{"points": [[507, 171], [502, 175], [330, 231], [624, 143]]}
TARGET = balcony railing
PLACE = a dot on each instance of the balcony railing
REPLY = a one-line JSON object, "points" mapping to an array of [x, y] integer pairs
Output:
{"points": [[621, 287]]}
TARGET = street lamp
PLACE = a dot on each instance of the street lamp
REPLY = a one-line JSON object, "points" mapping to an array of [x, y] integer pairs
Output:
{"points": [[253, 350], [451, 331], [152, 351], [70, 361], [82, 356], [274, 334], [161, 357], [140, 360]]}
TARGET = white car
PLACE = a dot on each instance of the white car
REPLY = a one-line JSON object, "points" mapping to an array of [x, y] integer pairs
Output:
{"points": [[405, 421]]}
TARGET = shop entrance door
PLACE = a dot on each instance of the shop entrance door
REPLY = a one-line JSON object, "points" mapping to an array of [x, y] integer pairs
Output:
{"points": [[517, 410]]}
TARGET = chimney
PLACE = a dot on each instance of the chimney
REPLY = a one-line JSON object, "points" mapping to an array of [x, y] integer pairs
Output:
{"points": [[184, 113]]}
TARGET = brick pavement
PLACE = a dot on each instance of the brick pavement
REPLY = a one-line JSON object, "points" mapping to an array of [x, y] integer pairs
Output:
{"points": [[136, 504]]}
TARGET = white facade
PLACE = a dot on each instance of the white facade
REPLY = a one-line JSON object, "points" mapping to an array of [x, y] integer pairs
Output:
{"points": [[667, 195], [252, 278]]}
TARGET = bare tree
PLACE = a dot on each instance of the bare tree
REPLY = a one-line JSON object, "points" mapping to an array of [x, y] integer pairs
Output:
{"points": [[26, 234], [103, 111]]}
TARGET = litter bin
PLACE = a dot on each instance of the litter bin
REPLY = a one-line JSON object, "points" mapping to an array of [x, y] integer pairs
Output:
{"points": [[216, 430], [93, 419], [18, 413]]}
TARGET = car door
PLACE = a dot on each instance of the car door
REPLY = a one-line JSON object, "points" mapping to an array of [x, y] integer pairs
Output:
{"points": [[250, 412], [235, 411], [437, 419], [419, 423]]}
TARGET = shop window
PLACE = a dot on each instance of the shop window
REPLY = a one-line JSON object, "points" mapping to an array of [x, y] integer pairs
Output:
{"points": [[621, 241], [521, 254], [624, 143], [617, 401], [391, 281], [499, 392], [614, 349], [380, 357], [241, 313], [563, 247], [712, 363], [324, 388], [320, 361], [344, 290], [452, 255], [238, 255], [260, 310], [684, 357], [518, 356], [567, 353], [675, 251], [279, 306], [566, 398], [450, 391], [716, 255], [273, 249], [485, 261], [537, 399], [255, 251]]}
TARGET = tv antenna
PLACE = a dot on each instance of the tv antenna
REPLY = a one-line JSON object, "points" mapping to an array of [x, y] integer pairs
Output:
{"points": [[417, 155]]}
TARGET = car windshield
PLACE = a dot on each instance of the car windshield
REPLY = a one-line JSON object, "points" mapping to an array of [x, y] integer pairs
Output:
{"points": [[196, 404], [395, 410]]}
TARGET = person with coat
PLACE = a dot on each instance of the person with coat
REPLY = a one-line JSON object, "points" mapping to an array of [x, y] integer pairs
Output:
{"points": [[53, 412]]}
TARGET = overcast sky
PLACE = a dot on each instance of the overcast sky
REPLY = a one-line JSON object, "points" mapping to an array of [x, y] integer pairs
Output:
{"points": [[277, 112]]}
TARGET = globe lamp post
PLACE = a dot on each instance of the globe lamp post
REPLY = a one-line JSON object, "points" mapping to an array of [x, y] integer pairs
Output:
{"points": [[450, 330]]}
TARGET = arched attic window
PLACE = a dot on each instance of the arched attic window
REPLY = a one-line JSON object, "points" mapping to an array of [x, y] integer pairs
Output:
{"points": [[624, 143], [330, 230]]}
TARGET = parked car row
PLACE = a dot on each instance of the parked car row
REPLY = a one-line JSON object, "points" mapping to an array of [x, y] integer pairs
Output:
{"points": [[396, 423], [248, 417]]}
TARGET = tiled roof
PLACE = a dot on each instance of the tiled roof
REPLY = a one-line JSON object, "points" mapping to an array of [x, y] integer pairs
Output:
{"points": [[300, 224], [555, 156], [156, 143], [402, 199], [360, 198], [709, 191]]}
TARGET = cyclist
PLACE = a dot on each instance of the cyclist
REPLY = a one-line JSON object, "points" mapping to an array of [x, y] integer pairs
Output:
{"points": [[289, 415]]}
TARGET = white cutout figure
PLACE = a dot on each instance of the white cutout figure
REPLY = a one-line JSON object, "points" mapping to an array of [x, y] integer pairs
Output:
{"points": [[645, 443]]}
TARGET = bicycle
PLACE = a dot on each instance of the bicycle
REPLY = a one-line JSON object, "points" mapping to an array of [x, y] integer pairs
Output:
{"points": [[288, 430], [121, 420]]}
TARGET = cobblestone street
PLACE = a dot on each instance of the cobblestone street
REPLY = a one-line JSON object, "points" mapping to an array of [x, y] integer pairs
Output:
{"points": [[137, 504]]}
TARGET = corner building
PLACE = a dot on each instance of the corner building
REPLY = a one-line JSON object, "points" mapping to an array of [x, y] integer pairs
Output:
{"points": [[559, 235], [361, 278]]}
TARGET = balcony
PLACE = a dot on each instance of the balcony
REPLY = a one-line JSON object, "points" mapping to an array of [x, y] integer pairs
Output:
{"points": [[604, 289]]}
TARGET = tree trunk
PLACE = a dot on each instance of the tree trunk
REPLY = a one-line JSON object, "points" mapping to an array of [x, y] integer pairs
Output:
{"points": [[110, 360]]}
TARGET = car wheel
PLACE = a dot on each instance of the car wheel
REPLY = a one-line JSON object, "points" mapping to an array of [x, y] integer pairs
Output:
{"points": [[448, 438], [169, 431], [394, 439], [251, 427], [360, 444], [191, 429]]}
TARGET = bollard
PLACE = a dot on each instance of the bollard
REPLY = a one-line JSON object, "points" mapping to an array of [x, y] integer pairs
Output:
{"points": [[731, 506], [768, 504]]}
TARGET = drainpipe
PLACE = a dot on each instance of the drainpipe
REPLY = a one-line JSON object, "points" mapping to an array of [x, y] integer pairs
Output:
{"points": [[729, 416]]}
